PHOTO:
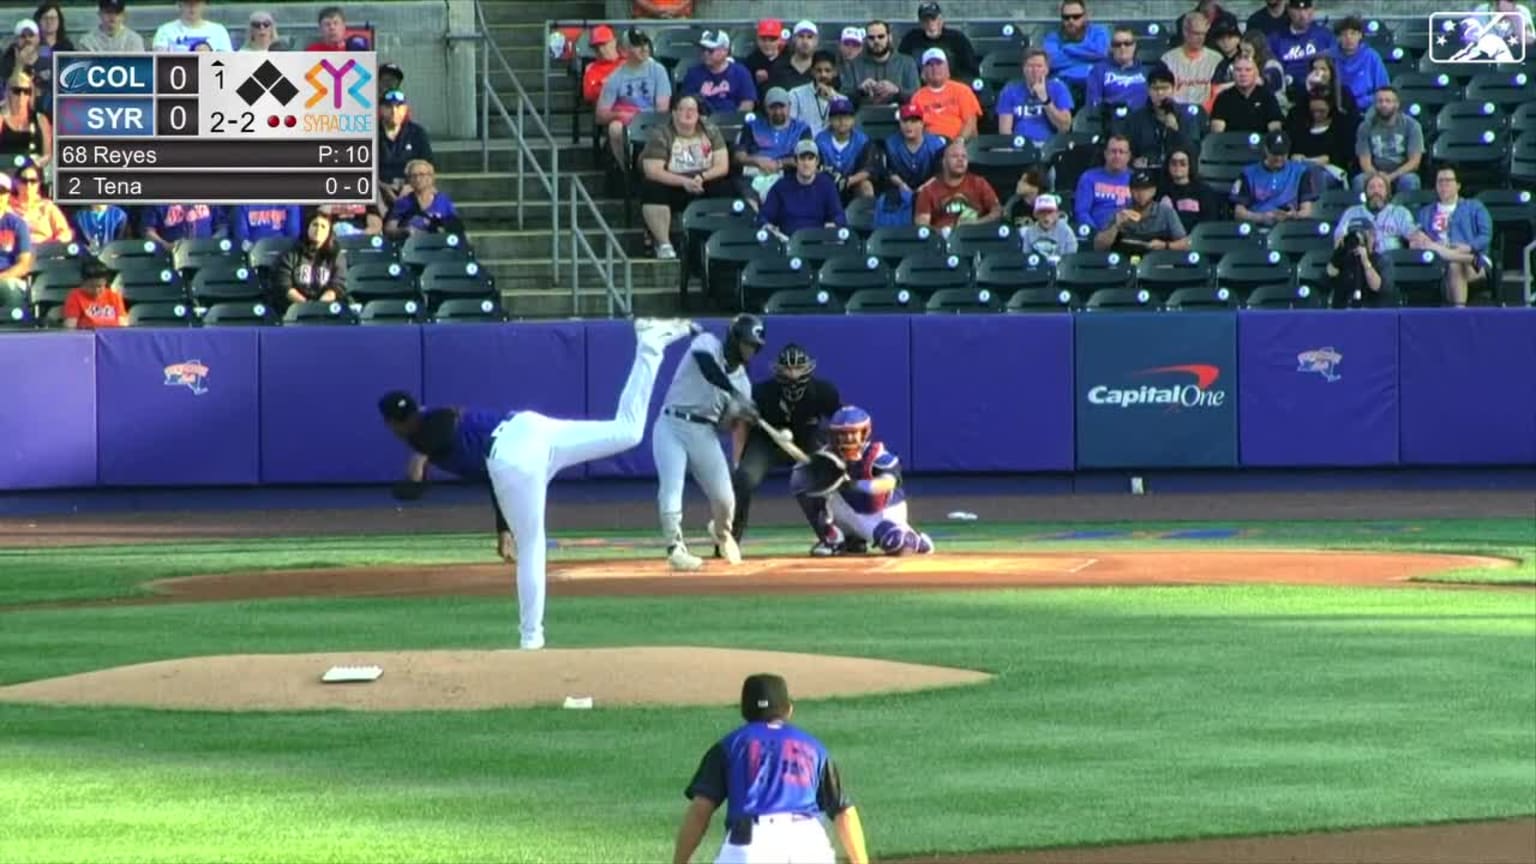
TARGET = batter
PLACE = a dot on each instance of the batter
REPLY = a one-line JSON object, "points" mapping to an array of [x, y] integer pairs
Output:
{"points": [[521, 451]]}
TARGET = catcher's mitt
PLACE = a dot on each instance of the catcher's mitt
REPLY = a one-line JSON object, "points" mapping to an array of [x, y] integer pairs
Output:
{"points": [[824, 474], [407, 490]]}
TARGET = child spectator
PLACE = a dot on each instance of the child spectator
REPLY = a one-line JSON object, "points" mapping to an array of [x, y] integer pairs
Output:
{"points": [[111, 36], [1049, 236], [847, 153], [95, 304], [333, 30]]}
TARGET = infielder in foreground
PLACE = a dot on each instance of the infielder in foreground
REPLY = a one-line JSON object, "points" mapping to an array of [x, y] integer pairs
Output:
{"points": [[520, 452], [709, 389], [871, 506], [775, 780]]}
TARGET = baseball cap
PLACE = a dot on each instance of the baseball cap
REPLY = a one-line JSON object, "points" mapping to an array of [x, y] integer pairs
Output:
{"points": [[853, 34], [1300, 4], [771, 28], [776, 96], [1277, 144], [1046, 203], [713, 39], [839, 107], [393, 97], [111, 6], [392, 69], [934, 55], [929, 10], [398, 405], [25, 25], [764, 697], [910, 112], [806, 27], [1143, 178], [602, 34], [807, 146]]}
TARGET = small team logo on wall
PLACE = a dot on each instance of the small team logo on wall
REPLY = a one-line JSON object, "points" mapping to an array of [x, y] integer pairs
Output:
{"points": [[1323, 361], [191, 374]]}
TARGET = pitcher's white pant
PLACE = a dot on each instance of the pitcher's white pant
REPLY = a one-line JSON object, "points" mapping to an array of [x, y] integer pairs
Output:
{"points": [[531, 448], [683, 447], [782, 840], [862, 525]]}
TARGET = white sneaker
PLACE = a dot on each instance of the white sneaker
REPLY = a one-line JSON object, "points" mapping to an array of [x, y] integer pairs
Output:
{"points": [[665, 252], [661, 332], [725, 543], [680, 559], [533, 643]]}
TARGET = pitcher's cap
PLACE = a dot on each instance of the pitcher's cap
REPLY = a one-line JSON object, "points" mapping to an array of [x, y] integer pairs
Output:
{"points": [[764, 697]]}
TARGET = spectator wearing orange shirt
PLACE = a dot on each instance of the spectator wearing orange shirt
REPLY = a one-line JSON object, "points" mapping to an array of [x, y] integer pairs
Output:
{"points": [[45, 221], [95, 304], [606, 47], [663, 9], [956, 196], [949, 109]]}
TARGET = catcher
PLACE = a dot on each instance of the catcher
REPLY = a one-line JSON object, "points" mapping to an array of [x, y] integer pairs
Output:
{"points": [[794, 400], [865, 502]]}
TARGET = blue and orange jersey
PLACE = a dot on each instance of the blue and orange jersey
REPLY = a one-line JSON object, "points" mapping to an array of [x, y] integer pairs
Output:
{"points": [[876, 462], [768, 768]]}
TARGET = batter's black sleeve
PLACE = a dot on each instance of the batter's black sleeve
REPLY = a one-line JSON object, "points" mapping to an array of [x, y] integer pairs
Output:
{"points": [[709, 781], [830, 796], [768, 395], [712, 371]]}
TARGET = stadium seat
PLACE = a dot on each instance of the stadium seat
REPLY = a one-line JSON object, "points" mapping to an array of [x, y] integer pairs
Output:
{"points": [[882, 301], [456, 280], [860, 214], [1086, 273], [161, 315], [265, 253], [1429, 90], [1068, 155], [43, 252], [764, 277], [728, 252], [961, 301], [421, 250], [813, 301], [225, 280], [1332, 203], [1014, 271], [1506, 89], [1523, 121], [380, 280], [1294, 238], [1514, 221], [978, 240], [998, 67], [239, 314], [1415, 199], [925, 273], [16, 318], [1522, 162], [317, 313], [1224, 155], [895, 243], [986, 97], [47, 290], [1480, 155], [816, 245], [394, 311], [1283, 297], [1121, 300], [847, 274], [1216, 239], [1247, 270], [1468, 114], [53, 319], [57, 270], [467, 310], [1197, 299], [1312, 269], [1164, 271], [192, 253], [702, 218], [1033, 300], [878, 121], [150, 286], [1002, 159], [366, 248], [122, 254], [1418, 276]]}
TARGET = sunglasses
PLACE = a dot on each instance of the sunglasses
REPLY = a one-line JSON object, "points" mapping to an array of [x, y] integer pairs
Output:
{"points": [[260, 25], [1066, 17], [805, 156], [1123, 44], [28, 179], [21, 91]]}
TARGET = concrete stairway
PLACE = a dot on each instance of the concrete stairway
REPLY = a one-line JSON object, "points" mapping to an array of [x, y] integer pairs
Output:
{"points": [[519, 256]]}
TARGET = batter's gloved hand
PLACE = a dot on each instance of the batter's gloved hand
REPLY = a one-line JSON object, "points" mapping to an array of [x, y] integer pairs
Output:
{"points": [[408, 490], [744, 410], [824, 474]]}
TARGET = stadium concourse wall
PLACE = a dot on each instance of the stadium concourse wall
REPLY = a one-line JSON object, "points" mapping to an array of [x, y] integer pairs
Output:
{"points": [[1004, 394]]}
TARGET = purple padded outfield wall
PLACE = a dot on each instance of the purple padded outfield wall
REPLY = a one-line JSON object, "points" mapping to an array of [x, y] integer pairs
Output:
{"points": [[178, 407], [1319, 388], [971, 393]]}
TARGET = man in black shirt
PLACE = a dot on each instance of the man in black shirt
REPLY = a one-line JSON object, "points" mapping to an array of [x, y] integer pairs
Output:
{"points": [[963, 65], [794, 399], [1158, 127]]}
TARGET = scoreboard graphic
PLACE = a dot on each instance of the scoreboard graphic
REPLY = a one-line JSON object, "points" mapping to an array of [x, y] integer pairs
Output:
{"points": [[222, 129]]}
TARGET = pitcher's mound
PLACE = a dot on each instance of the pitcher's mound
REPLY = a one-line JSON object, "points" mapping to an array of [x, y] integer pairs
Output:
{"points": [[473, 680]]}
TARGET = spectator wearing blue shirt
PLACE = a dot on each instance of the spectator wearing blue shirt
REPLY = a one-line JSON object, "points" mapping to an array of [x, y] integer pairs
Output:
{"points": [[170, 223], [1102, 192], [1460, 230], [1037, 107], [847, 153], [912, 153], [719, 81], [1361, 70], [252, 222], [807, 199], [1120, 80], [100, 224], [422, 209], [1296, 45], [15, 252], [1077, 45], [766, 146], [1276, 189]]}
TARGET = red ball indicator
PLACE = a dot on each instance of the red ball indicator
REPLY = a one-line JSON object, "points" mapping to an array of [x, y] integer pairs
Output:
{"points": [[273, 120], [290, 121]]}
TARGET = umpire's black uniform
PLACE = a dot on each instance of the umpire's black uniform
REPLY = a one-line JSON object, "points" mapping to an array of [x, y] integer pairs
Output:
{"points": [[792, 399]]}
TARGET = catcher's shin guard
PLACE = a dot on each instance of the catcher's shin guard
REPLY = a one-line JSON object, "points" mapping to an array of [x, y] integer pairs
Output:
{"points": [[919, 543], [891, 537]]}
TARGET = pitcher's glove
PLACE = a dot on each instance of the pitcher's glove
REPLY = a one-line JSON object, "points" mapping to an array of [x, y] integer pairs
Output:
{"points": [[824, 474], [407, 490]]}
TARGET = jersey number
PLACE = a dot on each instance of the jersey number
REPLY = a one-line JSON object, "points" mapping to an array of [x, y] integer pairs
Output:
{"points": [[799, 763]]}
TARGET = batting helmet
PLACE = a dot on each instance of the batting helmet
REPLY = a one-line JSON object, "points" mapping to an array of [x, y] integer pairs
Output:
{"points": [[793, 370], [745, 330], [851, 428]]}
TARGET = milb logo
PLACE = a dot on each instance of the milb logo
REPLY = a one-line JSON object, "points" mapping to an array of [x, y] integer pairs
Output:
{"points": [[1196, 394]]}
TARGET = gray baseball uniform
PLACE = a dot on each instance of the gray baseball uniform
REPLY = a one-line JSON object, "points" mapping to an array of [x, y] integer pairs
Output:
{"points": [[686, 437]]}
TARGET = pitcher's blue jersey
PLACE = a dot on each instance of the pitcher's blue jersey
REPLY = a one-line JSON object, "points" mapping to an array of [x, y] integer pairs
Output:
{"points": [[769, 768], [458, 441]]}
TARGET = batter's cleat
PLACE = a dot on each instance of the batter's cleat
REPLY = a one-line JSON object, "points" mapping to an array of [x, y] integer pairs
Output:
{"points": [[532, 643], [661, 332], [823, 549], [725, 544], [679, 559]]}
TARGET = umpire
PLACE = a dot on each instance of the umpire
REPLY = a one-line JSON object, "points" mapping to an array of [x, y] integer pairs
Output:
{"points": [[794, 399]]}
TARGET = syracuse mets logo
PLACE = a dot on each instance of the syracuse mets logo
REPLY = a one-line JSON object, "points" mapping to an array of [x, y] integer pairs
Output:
{"points": [[192, 375], [1323, 361], [338, 78]]}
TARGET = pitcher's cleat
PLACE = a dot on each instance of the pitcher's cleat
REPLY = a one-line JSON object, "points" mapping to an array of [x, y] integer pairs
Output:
{"points": [[661, 332]]}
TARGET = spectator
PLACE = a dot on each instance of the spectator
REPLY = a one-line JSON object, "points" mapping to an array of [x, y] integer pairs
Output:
{"points": [[53, 35], [1147, 223], [1048, 236], [261, 34], [1246, 106], [315, 270], [1037, 107], [770, 47], [95, 304], [849, 46], [794, 69], [1103, 191], [666, 9], [111, 36], [605, 48], [1504, 27], [1186, 193], [43, 217], [401, 140], [881, 75], [1158, 127], [956, 196], [1354, 270], [168, 223], [933, 34], [1270, 18], [1193, 64], [949, 108], [1255, 46], [1322, 74], [1391, 142], [811, 102], [1296, 45], [639, 86], [190, 30], [1077, 45], [1214, 15], [333, 30], [1323, 139], [1460, 230], [26, 134], [422, 208], [1019, 209], [391, 77], [1276, 189], [1226, 41], [718, 80], [766, 146], [912, 153], [847, 153], [23, 54], [808, 200], [15, 248], [1360, 68], [96, 225], [352, 219], [684, 159], [1392, 223], [1119, 80], [251, 223]]}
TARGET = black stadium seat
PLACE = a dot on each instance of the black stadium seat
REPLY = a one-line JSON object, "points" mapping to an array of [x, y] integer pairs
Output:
{"points": [[365, 248], [225, 280], [239, 314], [170, 314], [847, 274], [421, 250], [810, 301], [894, 244], [1031, 300], [728, 252], [1014, 271], [1246, 270], [926, 273], [380, 280], [466, 310], [1188, 299], [1296, 237], [318, 313], [952, 301], [1283, 297], [394, 311], [1417, 276], [192, 253], [816, 245], [450, 280], [1085, 273], [1164, 271], [123, 254], [764, 277], [979, 240], [150, 286], [16, 318], [1121, 300], [882, 301]]}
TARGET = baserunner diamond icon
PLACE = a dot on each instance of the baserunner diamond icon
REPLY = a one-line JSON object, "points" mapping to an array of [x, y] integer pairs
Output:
{"points": [[284, 91], [267, 79], [267, 75], [250, 91]]}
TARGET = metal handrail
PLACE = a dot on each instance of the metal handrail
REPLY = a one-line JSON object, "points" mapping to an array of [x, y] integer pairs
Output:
{"points": [[604, 264]]}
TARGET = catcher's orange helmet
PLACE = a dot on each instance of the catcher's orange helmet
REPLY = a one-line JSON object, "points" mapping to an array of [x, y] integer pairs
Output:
{"points": [[851, 428]]}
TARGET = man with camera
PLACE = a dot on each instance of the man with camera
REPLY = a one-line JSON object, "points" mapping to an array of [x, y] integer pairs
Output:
{"points": [[1354, 271], [1393, 223]]}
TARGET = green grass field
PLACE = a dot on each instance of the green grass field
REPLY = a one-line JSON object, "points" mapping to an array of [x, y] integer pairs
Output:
{"points": [[1116, 714]]}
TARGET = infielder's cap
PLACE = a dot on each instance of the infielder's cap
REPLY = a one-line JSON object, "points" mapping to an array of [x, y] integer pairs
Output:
{"points": [[807, 146], [712, 39], [935, 55], [764, 697], [1046, 204], [839, 107], [1277, 143], [776, 96], [1143, 178], [398, 405]]}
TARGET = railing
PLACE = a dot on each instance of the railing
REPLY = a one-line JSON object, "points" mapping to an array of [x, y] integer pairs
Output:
{"points": [[580, 246]]}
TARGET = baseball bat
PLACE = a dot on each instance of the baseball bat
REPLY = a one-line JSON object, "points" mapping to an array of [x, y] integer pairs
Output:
{"points": [[786, 443]]}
